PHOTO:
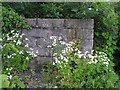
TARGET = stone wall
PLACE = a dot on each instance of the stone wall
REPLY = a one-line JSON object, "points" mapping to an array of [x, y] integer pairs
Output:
{"points": [[68, 29]]}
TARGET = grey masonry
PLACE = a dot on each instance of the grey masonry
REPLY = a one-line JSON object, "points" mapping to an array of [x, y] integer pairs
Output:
{"points": [[68, 29]]}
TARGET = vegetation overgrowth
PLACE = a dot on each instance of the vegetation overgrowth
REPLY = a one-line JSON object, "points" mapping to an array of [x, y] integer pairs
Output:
{"points": [[106, 16], [15, 57], [74, 69]]}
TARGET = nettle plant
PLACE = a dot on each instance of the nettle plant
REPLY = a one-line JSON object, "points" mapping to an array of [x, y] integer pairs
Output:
{"points": [[76, 69], [15, 57]]}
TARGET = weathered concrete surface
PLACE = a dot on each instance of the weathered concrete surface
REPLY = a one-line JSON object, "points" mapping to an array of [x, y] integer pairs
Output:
{"points": [[68, 29]]}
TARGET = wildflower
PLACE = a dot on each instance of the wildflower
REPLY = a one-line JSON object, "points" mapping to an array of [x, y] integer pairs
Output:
{"points": [[49, 46], [96, 9], [13, 54], [59, 38], [12, 31], [14, 41], [27, 58], [55, 87], [16, 34], [18, 42], [84, 57], [92, 51], [31, 49], [9, 56], [53, 37], [26, 39], [28, 51], [95, 61], [76, 49], [79, 52], [37, 51], [61, 56], [90, 56], [106, 63], [63, 51], [89, 8], [34, 55], [53, 63], [56, 60], [54, 54], [71, 43], [0, 39], [62, 42], [54, 44], [65, 59], [6, 68], [10, 68], [80, 55], [86, 52], [44, 40], [23, 34], [9, 38], [26, 45], [21, 52], [9, 77]]}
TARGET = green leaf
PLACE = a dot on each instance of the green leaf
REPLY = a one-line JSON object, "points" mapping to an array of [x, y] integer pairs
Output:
{"points": [[5, 83], [21, 84]]}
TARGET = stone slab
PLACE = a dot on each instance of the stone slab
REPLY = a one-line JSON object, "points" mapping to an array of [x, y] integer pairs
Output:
{"points": [[68, 29]]}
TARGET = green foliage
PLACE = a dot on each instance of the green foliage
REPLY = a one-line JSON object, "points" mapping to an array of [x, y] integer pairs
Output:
{"points": [[4, 83], [13, 52], [76, 69], [14, 82], [26, 9], [106, 20], [12, 20], [117, 53], [48, 74], [54, 12], [106, 30]]}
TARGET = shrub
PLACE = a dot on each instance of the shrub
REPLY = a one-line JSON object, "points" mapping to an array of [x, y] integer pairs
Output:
{"points": [[14, 54], [117, 53], [27, 9], [106, 29], [88, 70]]}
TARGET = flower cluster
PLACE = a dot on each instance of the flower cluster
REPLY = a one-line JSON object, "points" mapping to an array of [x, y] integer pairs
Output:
{"points": [[31, 51], [14, 49], [102, 57], [13, 36], [55, 40], [92, 57], [81, 69], [8, 70]]}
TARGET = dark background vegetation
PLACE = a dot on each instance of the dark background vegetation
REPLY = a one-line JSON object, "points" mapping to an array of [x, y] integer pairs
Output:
{"points": [[106, 17]]}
